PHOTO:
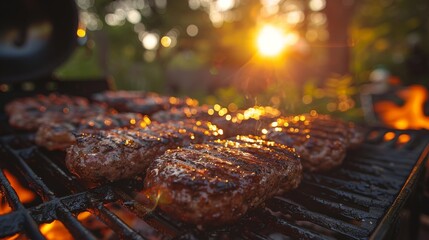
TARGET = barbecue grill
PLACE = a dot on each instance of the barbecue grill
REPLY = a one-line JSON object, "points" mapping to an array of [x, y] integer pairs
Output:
{"points": [[359, 200], [362, 199]]}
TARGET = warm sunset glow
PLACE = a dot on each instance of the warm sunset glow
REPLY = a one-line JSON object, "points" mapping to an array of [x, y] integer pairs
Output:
{"points": [[272, 41], [408, 116]]}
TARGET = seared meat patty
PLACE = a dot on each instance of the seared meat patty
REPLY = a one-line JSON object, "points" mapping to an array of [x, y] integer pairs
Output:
{"points": [[140, 102], [320, 140], [117, 154], [41, 102], [30, 113], [243, 122], [178, 114], [59, 136], [356, 135], [119, 99], [217, 182]]}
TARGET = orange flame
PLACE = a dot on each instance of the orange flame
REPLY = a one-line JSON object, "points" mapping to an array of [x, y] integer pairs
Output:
{"points": [[23, 193], [55, 230], [408, 116]]}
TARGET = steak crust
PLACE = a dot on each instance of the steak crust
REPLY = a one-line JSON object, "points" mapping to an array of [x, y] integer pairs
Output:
{"points": [[31, 112], [321, 141], [59, 136], [217, 182], [146, 103], [117, 154]]}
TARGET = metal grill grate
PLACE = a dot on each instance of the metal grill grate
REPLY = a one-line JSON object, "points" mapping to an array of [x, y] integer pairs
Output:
{"points": [[359, 200]]}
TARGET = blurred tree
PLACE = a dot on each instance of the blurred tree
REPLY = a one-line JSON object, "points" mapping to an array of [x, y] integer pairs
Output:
{"points": [[392, 34]]}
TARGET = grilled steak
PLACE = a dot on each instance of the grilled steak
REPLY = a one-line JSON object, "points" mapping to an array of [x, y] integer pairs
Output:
{"points": [[320, 140], [117, 154], [30, 113], [356, 135], [59, 136], [42, 102], [144, 103], [177, 114], [244, 122], [217, 182], [119, 99]]}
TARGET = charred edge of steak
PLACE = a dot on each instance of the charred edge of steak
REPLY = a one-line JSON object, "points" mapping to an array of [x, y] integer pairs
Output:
{"points": [[117, 154], [59, 136], [216, 183], [320, 141]]}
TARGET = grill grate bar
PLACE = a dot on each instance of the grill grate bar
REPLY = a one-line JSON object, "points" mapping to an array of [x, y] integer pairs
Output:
{"points": [[76, 228], [13, 222], [292, 229], [351, 186], [354, 198], [390, 155], [376, 168], [299, 212], [395, 169], [114, 222], [57, 207], [33, 180], [389, 182], [338, 210], [71, 183], [11, 196]]}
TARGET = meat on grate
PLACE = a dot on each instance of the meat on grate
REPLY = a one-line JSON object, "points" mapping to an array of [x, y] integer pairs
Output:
{"points": [[141, 102], [219, 181], [320, 140], [118, 154], [59, 136], [29, 113]]}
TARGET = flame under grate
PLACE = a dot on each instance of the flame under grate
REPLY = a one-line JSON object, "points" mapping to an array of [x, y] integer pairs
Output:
{"points": [[350, 202], [361, 199]]}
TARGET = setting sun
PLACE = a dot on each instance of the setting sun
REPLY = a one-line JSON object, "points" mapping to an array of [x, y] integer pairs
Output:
{"points": [[271, 40]]}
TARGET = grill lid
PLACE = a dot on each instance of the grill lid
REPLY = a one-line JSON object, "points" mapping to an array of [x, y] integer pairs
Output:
{"points": [[35, 37]]}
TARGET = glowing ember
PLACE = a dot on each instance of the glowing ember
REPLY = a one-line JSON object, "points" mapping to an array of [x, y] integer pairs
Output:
{"points": [[404, 138], [23, 193], [55, 230], [389, 136], [408, 116]]}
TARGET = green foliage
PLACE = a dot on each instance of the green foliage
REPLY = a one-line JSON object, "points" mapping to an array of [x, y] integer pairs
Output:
{"points": [[83, 64], [383, 33]]}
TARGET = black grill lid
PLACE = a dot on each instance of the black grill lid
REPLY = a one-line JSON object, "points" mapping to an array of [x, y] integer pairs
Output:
{"points": [[36, 36]]}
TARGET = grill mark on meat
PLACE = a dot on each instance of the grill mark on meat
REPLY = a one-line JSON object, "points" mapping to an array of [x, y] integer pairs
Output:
{"points": [[118, 153], [217, 182], [140, 102], [59, 136], [320, 140], [40, 102], [29, 113], [315, 137]]}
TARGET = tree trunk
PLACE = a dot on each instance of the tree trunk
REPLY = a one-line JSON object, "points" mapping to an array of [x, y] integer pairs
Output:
{"points": [[339, 14]]}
